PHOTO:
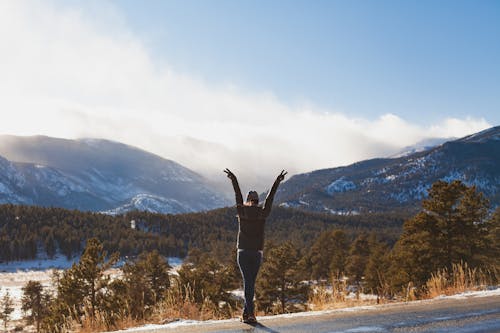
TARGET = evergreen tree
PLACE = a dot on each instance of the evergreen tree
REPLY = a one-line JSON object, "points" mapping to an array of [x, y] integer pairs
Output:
{"points": [[376, 279], [146, 281], [35, 303], [91, 272], [448, 231], [492, 241], [209, 280], [357, 260], [278, 287], [86, 281], [328, 254], [114, 303], [156, 270], [6, 309], [457, 211], [50, 245]]}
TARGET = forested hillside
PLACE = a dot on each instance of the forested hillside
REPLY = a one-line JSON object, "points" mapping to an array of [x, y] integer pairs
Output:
{"points": [[28, 231]]}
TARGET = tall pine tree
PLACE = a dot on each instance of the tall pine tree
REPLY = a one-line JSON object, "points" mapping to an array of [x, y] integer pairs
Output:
{"points": [[447, 231], [35, 303], [357, 260], [278, 286]]}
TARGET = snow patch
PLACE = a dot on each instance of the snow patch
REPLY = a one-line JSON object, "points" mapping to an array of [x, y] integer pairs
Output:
{"points": [[340, 185], [361, 329], [467, 294], [151, 203], [40, 264]]}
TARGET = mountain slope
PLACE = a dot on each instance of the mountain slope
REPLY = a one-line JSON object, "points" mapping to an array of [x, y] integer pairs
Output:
{"points": [[392, 183], [98, 175]]}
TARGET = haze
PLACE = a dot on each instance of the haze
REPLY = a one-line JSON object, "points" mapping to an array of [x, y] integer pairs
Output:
{"points": [[72, 70]]}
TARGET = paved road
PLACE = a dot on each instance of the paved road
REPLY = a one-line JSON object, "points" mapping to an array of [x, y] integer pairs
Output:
{"points": [[478, 314]]}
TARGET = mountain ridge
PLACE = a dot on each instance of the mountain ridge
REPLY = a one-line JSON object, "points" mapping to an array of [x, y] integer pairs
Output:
{"points": [[112, 177], [98, 175], [381, 184]]}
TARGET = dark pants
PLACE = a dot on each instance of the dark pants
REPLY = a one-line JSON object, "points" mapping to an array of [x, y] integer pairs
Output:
{"points": [[249, 262]]}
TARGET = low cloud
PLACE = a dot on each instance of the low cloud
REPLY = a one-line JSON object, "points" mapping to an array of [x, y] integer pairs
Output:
{"points": [[68, 74]]}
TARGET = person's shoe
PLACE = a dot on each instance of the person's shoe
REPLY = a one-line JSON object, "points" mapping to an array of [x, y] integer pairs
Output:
{"points": [[251, 319], [244, 317]]}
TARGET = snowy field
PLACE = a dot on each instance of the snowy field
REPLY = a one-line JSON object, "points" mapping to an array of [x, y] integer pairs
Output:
{"points": [[15, 275]]}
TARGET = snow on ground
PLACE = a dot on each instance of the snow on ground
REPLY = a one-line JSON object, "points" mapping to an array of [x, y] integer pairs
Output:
{"points": [[14, 282], [481, 293], [175, 262], [59, 261], [14, 275], [181, 322]]}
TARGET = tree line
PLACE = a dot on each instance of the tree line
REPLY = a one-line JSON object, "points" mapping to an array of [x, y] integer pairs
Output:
{"points": [[29, 231]]}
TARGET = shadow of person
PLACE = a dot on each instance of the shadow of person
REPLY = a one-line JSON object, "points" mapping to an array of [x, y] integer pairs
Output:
{"points": [[258, 327]]}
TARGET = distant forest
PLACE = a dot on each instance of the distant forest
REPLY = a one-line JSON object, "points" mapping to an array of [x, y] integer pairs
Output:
{"points": [[29, 231]]}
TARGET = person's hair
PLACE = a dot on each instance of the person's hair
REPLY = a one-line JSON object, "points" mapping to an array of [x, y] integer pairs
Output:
{"points": [[252, 196]]}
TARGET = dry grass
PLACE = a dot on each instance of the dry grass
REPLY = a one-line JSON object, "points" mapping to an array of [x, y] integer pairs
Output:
{"points": [[180, 303], [101, 325], [461, 278], [335, 297]]}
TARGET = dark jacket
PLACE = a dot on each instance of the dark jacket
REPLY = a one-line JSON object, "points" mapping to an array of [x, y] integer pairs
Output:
{"points": [[252, 219]]}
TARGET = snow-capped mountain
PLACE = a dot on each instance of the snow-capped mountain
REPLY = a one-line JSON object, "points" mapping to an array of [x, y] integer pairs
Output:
{"points": [[402, 182], [98, 175], [420, 146]]}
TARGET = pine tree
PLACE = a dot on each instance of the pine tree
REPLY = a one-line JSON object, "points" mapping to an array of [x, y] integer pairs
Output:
{"points": [[35, 303], [90, 271], [492, 241], [328, 254], [6, 309], [357, 260], [146, 282], [156, 270], [375, 275], [457, 211], [50, 245], [86, 281], [209, 280], [278, 287], [448, 231]]}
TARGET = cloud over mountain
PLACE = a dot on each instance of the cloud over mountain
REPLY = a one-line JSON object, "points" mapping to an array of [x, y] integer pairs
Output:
{"points": [[72, 72]]}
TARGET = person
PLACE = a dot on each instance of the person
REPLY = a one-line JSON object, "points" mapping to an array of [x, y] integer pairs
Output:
{"points": [[250, 245]]}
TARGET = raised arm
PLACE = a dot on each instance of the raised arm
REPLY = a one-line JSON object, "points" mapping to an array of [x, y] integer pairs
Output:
{"points": [[270, 196], [236, 187]]}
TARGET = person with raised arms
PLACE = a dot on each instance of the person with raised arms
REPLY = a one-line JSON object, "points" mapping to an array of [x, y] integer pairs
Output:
{"points": [[250, 245]]}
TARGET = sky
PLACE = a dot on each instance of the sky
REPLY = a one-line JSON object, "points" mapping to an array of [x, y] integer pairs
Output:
{"points": [[255, 86]]}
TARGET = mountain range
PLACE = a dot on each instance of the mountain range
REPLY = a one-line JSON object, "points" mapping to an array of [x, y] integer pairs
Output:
{"points": [[98, 175], [110, 177], [385, 184]]}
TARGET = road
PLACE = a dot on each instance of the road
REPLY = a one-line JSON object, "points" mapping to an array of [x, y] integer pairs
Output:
{"points": [[477, 314]]}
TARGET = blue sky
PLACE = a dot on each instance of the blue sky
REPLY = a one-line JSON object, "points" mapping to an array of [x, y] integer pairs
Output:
{"points": [[256, 86], [421, 60]]}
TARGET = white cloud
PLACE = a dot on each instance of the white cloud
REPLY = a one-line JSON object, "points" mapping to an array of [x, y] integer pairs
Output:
{"points": [[67, 73]]}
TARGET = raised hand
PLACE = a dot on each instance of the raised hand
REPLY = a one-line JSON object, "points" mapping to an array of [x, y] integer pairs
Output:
{"points": [[281, 176], [230, 175]]}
